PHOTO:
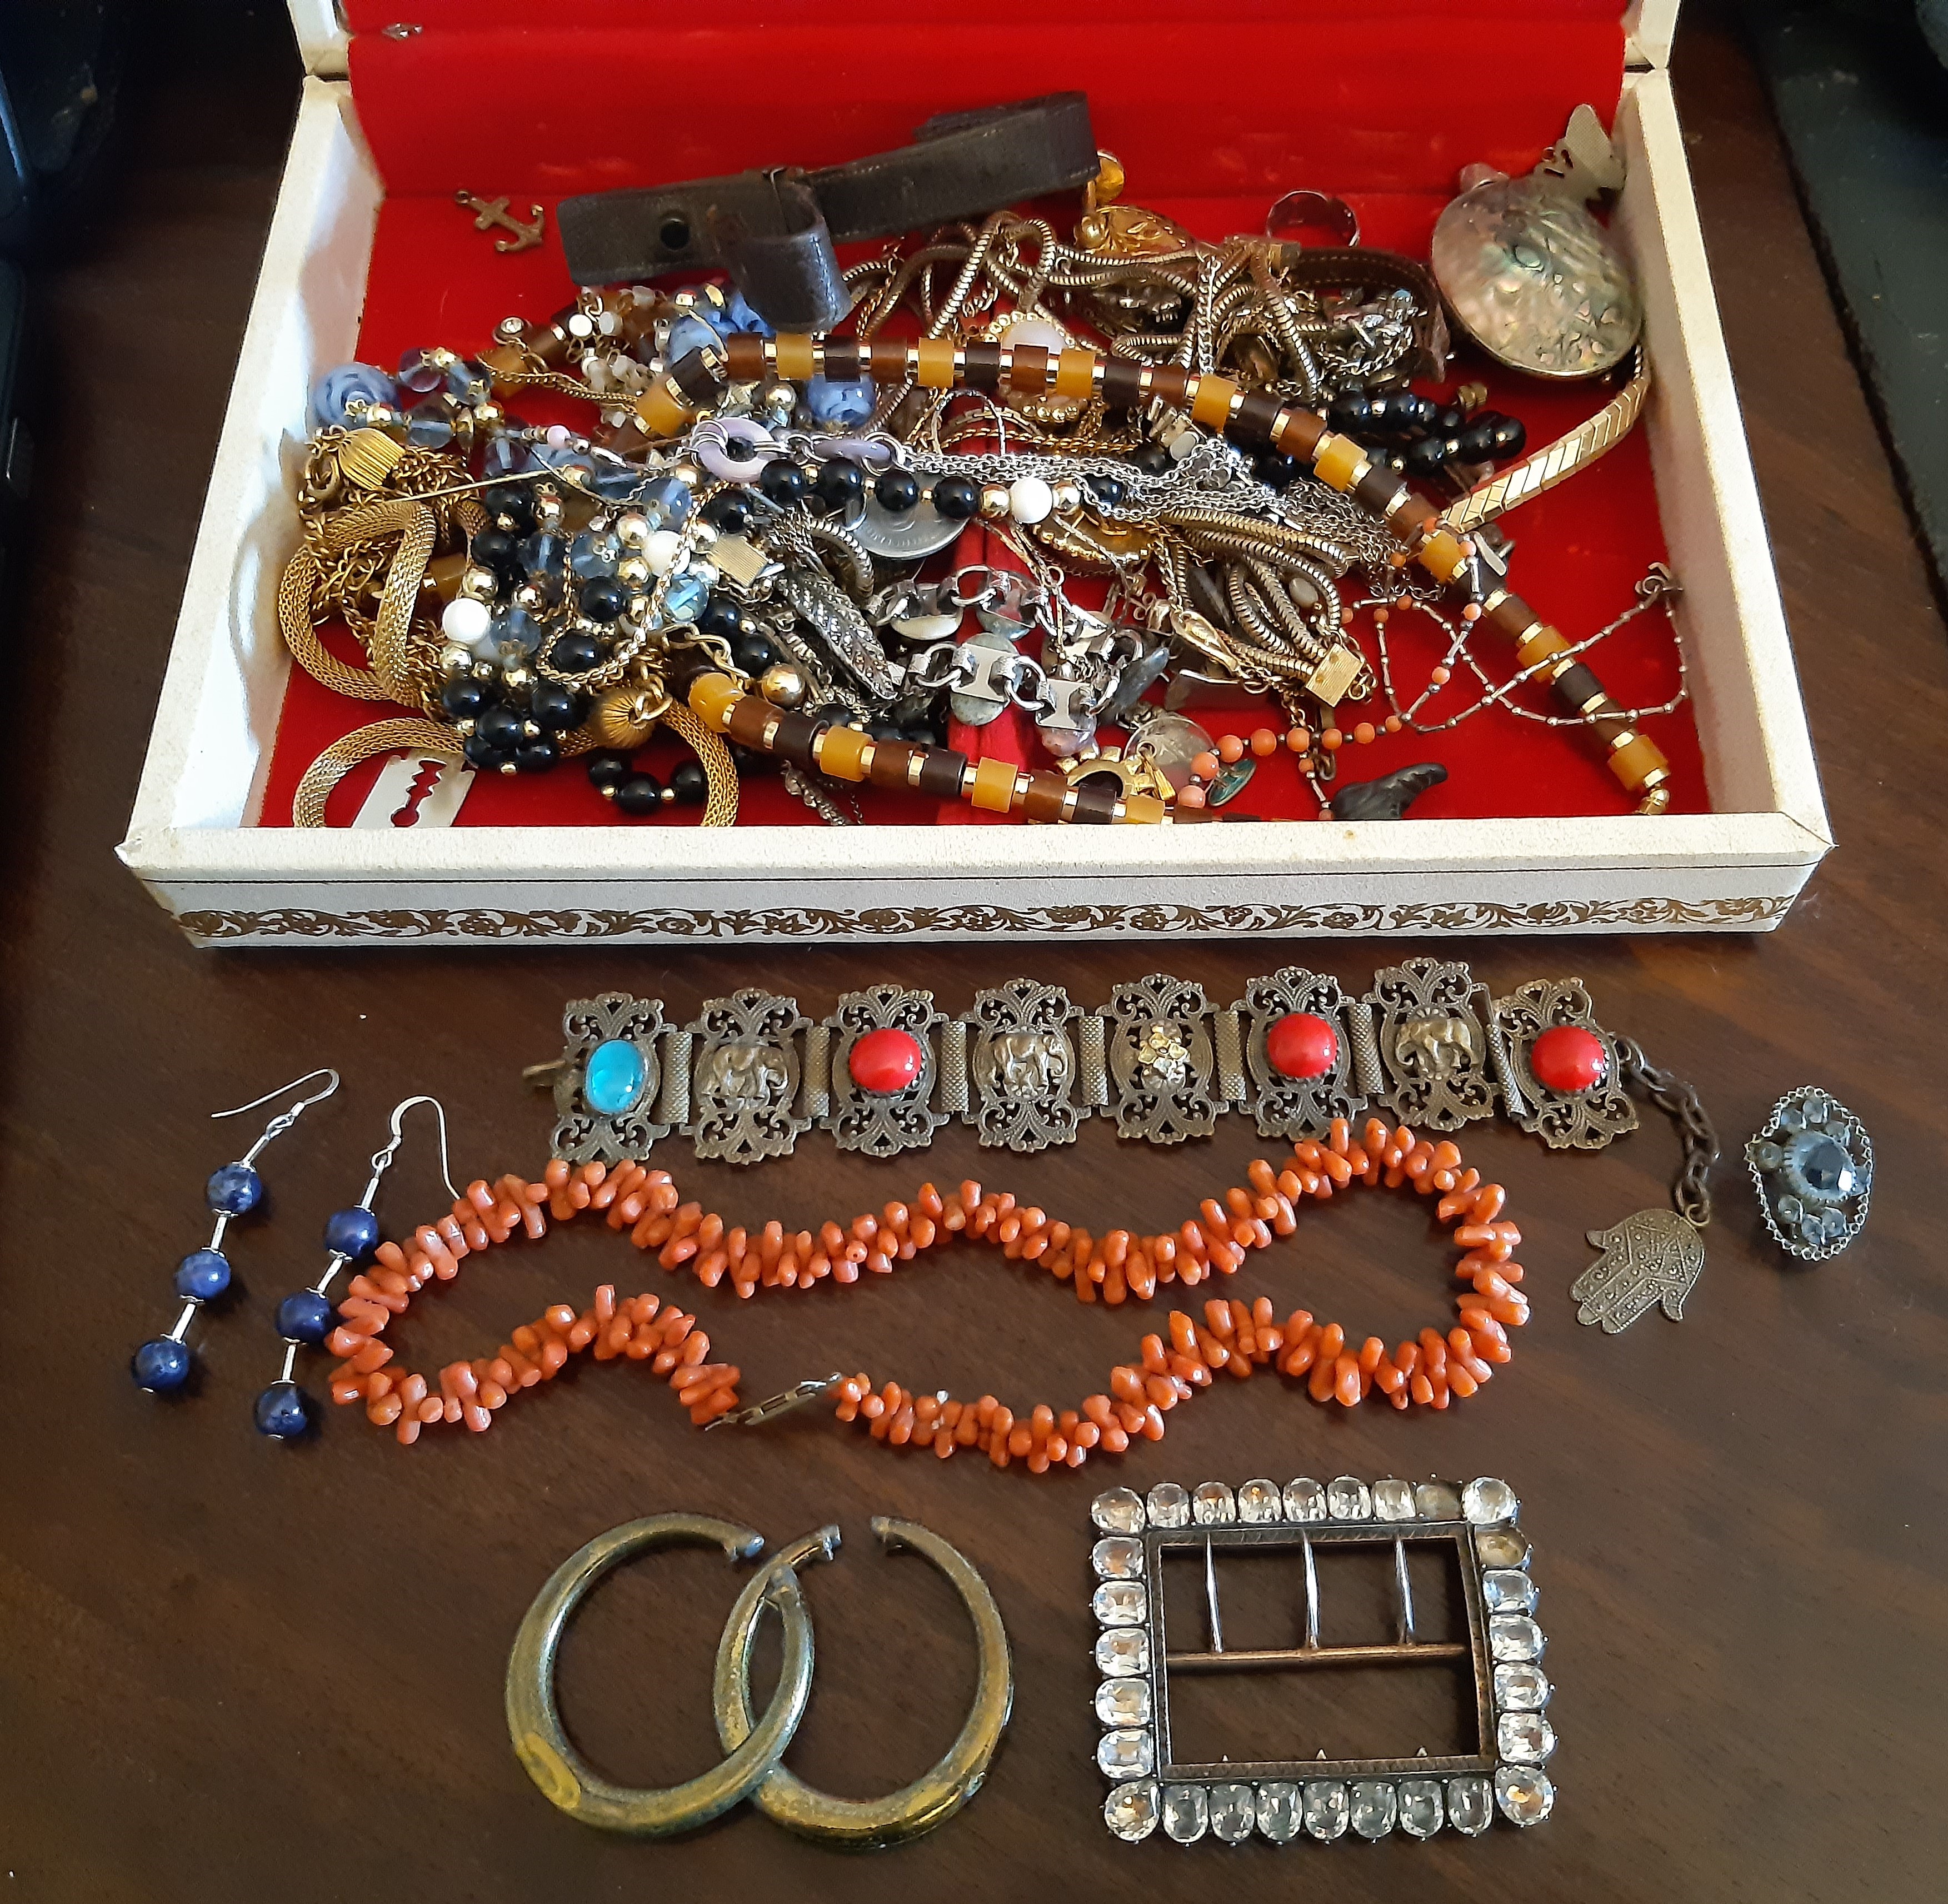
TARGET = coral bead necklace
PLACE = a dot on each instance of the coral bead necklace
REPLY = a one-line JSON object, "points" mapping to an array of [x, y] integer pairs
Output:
{"points": [[1170, 1367]]}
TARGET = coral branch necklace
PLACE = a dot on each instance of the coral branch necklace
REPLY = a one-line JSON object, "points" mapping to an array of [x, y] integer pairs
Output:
{"points": [[1119, 1266]]}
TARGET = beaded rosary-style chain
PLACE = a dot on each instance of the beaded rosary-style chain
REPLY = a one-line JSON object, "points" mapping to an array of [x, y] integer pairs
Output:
{"points": [[1659, 589]]}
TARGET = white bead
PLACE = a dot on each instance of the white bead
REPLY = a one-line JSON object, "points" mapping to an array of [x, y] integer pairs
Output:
{"points": [[661, 549], [464, 620], [1033, 331], [1029, 498]]}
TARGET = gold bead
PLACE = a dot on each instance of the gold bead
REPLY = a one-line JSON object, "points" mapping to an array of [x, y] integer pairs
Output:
{"points": [[1067, 498], [994, 502], [367, 457], [784, 684], [625, 717]]}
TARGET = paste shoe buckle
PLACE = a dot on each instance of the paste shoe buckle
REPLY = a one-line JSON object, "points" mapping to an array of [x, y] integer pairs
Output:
{"points": [[753, 1745]]}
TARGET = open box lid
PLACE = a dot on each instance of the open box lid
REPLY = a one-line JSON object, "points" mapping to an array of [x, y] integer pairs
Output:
{"points": [[324, 36], [1649, 26], [323, 43]]}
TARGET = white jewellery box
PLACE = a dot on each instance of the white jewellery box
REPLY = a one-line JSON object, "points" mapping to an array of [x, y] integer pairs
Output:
{"points": [[194, 841]]}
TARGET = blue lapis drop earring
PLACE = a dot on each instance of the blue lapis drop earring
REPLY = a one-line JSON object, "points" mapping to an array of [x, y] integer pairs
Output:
{"points": [[306, 1318], [164, 1365]]}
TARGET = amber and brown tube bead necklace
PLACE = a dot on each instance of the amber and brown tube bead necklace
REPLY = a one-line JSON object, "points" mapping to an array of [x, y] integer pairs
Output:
{"points": [[993, 785], [697, 382], [1230, 1334]]}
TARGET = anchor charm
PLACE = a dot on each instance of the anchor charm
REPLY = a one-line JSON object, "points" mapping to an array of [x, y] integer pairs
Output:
{"points": [[492, 212]]}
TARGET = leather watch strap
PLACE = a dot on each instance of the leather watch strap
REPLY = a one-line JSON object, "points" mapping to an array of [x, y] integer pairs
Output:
{"points": [[774, 230]]}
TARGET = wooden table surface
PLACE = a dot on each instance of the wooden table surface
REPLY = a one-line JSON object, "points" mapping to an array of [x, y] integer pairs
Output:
{"points": [[233, 1669]]}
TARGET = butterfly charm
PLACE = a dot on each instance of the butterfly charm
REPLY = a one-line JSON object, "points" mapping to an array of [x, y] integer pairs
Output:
{"points": [[1651, 1258]]}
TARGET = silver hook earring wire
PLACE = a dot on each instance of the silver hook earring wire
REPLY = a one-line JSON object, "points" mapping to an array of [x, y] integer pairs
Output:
{"points": [[284, 1120], [382, 1160]]}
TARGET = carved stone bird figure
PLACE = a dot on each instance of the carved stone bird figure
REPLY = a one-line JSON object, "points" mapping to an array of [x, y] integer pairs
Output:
{"points": [[1388, 797]]}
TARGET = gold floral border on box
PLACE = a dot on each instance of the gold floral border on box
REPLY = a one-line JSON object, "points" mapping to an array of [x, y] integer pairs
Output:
{"points": [[972, 919]]}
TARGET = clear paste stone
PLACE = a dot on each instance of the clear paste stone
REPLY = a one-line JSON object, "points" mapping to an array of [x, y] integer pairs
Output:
{"points": [[1119, 1557], [1437, 1500], [1127, 1753], [1130, 1811], [1259, 1502], [1121, 1603], [1373, 1807], [1212, 1506], [1123, 1702], [1507, 1589], [1486, 1500], [1421, 1809], [1279, 1818], [1304, 1500], [1525, 1738], [1525, 1795], [1326, 1809], [1471, 1803], [1233, 1812], [1186, 1812], [1120, 1511], [1502, 1546], [1169, 1505], [1393, 1501], [1348, 1499], [1522, 1688], [1122, 1651], [1514, 1636]]}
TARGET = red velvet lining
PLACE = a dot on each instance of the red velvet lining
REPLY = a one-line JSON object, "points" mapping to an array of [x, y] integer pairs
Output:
{"points": [[1386, 96], [1398, 73]]}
